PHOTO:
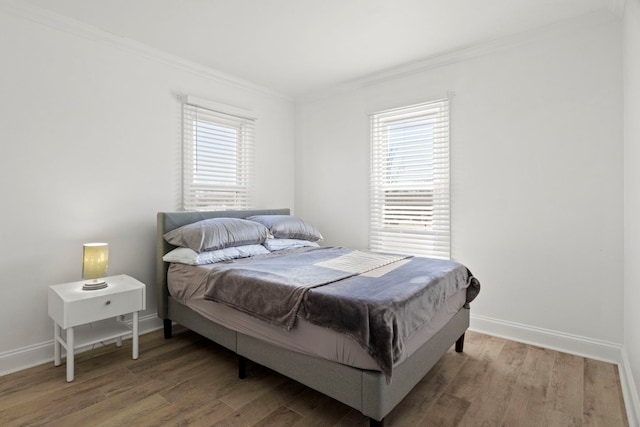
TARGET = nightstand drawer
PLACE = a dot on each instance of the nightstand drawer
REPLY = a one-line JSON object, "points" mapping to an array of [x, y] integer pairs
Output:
{"points": [[70, 306], [102, 307]]}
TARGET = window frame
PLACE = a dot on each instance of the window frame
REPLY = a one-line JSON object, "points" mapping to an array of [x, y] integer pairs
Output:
{"points": [[410, 208], [217, 156]]}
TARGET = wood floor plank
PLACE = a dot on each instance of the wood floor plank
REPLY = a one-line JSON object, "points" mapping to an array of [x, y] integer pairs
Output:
{"points": [[252, 412], [57, 404], [213, 376], [212, 387], [281, 417], [306, 402], [474, 372], [22, 387], [566, 387], [197, 409], [135, 413], [189, 381], [353, 418], [477, 343], [601, 393], [245, 391], [553, 418], [413, 407], [489, 404], [109, 408], [155, 361], [288, 390], [527, 403], [327, 414], [447, 411], [620, 402]]}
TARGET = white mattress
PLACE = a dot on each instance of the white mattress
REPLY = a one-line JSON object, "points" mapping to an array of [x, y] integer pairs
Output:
{"points": [[187, 285]]}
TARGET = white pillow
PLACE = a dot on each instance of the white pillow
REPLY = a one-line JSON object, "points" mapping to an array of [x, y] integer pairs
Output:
{"points": [[281, 244], [191, 257]]}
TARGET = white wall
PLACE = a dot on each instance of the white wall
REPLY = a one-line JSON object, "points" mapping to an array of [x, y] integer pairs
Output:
{"points": [[631, 44], [90, 141], [536, 175]]}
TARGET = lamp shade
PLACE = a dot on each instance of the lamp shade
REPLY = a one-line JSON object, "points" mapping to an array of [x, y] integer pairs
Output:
{"points": [[95, 260]]}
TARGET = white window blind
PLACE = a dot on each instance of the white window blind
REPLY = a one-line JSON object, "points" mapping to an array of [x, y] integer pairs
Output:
{"points": [[410, 211], [217, 159]]}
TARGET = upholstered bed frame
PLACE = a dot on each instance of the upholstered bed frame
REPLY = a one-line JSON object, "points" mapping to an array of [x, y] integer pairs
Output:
{"points": [[367, 391]]}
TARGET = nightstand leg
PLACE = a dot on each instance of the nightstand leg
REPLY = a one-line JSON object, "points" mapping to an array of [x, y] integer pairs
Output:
{"points": [[70, 361], [135, 335], [119, 339], [56, 345]]}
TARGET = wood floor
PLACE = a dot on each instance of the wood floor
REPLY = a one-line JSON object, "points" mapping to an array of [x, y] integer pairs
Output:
{"points": [[188, 380]]}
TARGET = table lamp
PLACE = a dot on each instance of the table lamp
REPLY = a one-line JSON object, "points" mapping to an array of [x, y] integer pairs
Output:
{"points": [[95, 260]]}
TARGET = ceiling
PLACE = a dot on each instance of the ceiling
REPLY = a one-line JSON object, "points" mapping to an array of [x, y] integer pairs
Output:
{"points": [[297, 47]]}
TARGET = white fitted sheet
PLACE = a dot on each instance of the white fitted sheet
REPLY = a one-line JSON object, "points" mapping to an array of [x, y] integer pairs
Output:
{"points": [[186, 285]]}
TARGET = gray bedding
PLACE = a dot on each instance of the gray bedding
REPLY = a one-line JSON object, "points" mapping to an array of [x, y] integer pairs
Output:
{"points": [[379, 301]]}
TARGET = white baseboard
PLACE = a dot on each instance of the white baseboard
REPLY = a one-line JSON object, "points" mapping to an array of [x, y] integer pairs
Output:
{"points": [[37, 354], [629, 391], [554, 340], [572, 344]]}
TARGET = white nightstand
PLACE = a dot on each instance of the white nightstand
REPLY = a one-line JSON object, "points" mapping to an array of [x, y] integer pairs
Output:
{"points": [[70, 306]]}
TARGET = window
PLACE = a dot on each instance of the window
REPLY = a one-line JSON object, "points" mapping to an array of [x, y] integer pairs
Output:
{"points": [[217, 158], [410, 180]]}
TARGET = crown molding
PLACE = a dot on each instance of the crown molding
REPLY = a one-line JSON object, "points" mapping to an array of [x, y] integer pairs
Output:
{"points": [[561, 29], [71, 26], [614, 10]]}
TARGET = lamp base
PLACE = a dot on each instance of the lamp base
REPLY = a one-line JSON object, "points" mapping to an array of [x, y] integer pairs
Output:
{"points": [[92, 286]]}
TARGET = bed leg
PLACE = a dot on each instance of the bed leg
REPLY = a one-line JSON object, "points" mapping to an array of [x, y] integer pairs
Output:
{"points": [[242, 367], [376, 423], [460, 344], [167, 328]]}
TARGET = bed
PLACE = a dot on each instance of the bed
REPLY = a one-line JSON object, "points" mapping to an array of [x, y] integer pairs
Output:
{"points": [[346, 375]]}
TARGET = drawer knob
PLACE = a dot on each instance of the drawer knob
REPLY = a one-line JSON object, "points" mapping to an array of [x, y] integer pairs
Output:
{"points": [[108, 302]]}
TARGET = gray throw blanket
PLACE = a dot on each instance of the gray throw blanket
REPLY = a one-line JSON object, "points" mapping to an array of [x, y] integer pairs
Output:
{"points": [[380, 311]]}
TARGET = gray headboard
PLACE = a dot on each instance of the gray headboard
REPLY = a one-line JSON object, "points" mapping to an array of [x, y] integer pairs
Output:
{"points": [[168, 221]]}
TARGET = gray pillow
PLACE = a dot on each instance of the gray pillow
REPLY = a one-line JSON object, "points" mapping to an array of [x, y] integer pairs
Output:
{"points": [[288, 227], [217, 233]]}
